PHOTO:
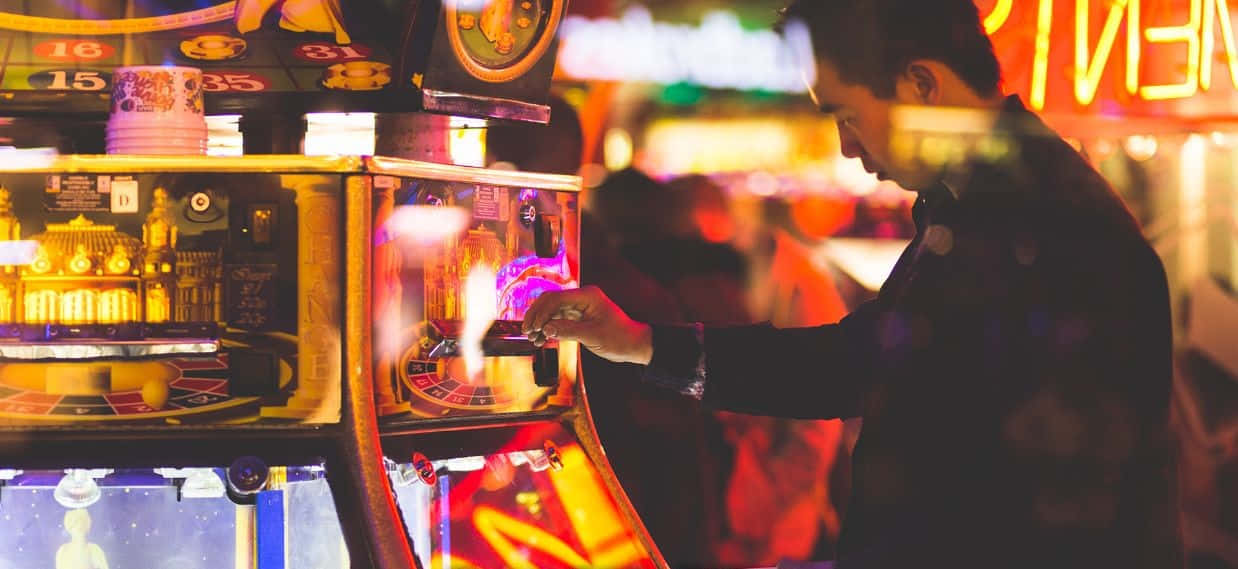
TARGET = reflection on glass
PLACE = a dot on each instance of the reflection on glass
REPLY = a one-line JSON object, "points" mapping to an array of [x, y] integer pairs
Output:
{"points": [[449, 257], [510, 509], [314, 537]]}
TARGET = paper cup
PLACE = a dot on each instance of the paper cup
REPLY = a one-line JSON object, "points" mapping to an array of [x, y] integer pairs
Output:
{"points": [[157, 137], [158, 142], [162, 134], [180, 144], [150, 95], [147, 129], [186, 146], [158, 151], [129, 125]]}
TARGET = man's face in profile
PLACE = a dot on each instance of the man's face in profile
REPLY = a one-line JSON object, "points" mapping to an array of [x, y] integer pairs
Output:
{"points": [[864, 127]]}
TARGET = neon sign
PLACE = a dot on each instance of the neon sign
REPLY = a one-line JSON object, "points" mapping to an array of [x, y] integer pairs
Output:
{"points": [[719, 53], [1156, 51], [1184, 28]]}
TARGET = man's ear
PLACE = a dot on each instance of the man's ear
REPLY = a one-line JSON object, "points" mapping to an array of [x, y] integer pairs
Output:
{"points": [[920, 83]]}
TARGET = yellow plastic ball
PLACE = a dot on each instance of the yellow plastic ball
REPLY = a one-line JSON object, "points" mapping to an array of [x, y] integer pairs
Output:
{"points": [[155, 393]]}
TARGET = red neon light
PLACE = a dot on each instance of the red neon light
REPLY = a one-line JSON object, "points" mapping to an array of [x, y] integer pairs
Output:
{"points": [[1148, 56]]}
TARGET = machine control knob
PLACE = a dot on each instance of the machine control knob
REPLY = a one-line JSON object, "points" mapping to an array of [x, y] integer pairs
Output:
{"points": [[200, 202], [552, 455], [547, 235], [424, 468], [527, 214], [247, 476]]}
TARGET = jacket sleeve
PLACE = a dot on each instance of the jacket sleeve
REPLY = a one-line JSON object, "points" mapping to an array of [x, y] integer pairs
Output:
{"points": [[818, 372]]}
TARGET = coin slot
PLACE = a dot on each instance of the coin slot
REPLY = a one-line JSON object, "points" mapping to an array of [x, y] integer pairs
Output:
{"points": [[263, 224]]}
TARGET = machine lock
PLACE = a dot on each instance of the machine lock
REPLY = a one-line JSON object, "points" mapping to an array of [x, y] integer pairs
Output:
{"points": [[547, 235], [546, 367]]}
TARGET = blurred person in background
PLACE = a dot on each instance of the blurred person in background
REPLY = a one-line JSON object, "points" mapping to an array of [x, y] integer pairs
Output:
{"points": [[1014, 371], [780, 503], [553, 148], [674, 233], [667, 450]]}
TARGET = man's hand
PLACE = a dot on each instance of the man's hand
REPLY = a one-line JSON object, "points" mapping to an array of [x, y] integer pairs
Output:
{"points": [[585, 315]]}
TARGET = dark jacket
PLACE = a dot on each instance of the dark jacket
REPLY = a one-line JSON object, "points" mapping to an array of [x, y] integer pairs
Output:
{"points": [[1013, 375]]}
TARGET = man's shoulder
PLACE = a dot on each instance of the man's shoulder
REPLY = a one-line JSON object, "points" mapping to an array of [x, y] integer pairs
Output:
{"points": [[1068, 206], [1072, 194]]}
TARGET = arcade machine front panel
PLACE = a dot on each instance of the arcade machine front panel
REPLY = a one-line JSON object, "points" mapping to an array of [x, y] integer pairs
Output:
{"points": [[184, 297], [489, 448], [456, 262], [281, 375]]}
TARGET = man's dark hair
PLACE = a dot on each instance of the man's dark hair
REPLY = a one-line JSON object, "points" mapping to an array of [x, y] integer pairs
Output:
{"points": [[870, 42]]}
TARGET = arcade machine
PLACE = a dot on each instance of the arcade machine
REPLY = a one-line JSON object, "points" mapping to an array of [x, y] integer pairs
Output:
{"points": [[286, 361]]}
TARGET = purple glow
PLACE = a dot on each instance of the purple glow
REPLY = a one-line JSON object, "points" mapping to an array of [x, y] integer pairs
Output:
{"points": [[528, 194], [526, 278]]}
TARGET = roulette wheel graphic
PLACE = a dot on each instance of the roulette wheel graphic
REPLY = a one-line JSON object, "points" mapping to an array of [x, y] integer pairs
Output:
{"points": [[177, 387], [439, 387]]}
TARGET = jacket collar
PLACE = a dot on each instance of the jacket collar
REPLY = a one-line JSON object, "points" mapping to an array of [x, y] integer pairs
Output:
{"points": [[999, 162]]}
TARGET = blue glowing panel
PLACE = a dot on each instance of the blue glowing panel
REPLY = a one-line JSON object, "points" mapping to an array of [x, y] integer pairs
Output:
{"points": [[128, 527]]}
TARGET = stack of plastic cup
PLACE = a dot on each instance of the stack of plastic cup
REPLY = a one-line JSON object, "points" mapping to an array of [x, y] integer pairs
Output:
{"points": [[156, 110]]}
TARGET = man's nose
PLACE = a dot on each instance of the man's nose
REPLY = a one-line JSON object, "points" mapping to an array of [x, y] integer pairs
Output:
{"points": [[848, 143]]}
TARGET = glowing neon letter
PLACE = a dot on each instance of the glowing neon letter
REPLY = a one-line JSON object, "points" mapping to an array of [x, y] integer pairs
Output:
{"points": [[1212, 9], [499, 529], [1040, 65], [1087, 73], [1188, 33], [998, 16]]}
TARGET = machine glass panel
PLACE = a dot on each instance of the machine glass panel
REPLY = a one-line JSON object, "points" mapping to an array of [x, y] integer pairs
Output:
{"points": [[184, 298], [456, 265], [182, 518], [539, 502]]}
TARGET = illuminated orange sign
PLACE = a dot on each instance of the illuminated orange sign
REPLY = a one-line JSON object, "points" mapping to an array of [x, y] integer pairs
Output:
{"points": [[1153, 57]]}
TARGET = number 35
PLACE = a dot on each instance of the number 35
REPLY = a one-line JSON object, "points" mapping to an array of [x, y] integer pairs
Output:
{"points": [[214, 82]]}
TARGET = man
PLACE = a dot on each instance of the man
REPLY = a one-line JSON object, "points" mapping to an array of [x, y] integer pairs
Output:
{"points": [[1013, 373]]}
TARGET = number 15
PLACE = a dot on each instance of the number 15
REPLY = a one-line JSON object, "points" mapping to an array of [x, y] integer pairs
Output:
{"points": [[82, 81]]}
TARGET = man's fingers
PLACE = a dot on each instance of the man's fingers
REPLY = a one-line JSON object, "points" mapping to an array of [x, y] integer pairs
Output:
{"points": [[543, 309], [564, 329], [539, 312], [558, 304]]}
